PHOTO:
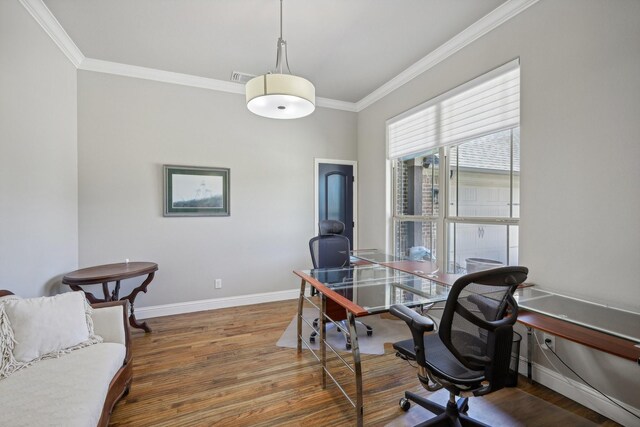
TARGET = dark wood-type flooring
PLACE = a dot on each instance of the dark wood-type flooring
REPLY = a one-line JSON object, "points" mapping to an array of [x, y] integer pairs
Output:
{"points": [[223, 368]]}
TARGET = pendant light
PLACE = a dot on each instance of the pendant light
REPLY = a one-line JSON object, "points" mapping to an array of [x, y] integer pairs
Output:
{"points": [[280, 95]]}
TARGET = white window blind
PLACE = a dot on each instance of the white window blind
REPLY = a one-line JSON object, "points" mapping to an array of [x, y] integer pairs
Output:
{"points": [[482, 106]]}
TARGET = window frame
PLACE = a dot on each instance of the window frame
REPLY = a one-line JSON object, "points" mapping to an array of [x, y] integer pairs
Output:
{"points": [[485, 105], [455, 219], [445, 218], [397, 218]]}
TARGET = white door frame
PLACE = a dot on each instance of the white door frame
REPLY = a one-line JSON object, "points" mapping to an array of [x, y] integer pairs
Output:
{"points": [[355, 194]]}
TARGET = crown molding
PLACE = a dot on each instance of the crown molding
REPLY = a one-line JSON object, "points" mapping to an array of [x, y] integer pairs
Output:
{"points": [[493, 19], [52, 27], [108, 67], [336, 104]]}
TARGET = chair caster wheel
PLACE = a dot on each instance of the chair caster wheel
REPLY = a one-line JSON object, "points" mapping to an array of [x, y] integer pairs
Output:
{"points": [[369, 333], [404, 404], [312, 339]]}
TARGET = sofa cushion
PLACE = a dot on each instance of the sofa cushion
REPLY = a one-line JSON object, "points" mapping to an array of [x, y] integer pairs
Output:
{"points": [[47, 324], [66, 391]]}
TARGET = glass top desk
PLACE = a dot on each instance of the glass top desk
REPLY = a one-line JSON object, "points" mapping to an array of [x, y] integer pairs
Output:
{"points": [[603, 328], [378, 280], [421, 268], [373, 288], [612, 321], [369, 287]]}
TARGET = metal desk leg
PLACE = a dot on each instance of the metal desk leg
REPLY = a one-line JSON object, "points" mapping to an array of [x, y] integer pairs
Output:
{"points": [[529, 351], [355, 351], [300, 301], [323, 337]]}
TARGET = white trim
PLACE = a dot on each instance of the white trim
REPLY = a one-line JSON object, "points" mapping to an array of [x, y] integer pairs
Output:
{"points": [[336, 104], [580, 393], [108, 67], [316, 218], [52, 27], [215, 303], [492, 20]]}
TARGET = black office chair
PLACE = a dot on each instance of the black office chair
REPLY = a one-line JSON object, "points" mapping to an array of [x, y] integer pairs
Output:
{"points": [[471, 352], [332, 250], [330, 226], [339, 257]]}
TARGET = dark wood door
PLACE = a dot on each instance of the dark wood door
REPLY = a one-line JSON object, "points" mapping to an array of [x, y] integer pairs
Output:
{"points": [[335, 195]]}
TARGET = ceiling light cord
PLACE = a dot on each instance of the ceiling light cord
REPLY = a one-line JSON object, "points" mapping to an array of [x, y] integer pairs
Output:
{"points": [[280, 19], [281, 44]]}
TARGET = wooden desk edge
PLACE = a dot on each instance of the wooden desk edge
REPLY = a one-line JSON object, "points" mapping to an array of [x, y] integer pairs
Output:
{"points": [[580, 334], [345, 303]]}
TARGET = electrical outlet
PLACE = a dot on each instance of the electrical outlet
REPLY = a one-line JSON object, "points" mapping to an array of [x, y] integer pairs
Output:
{"points": [[218, 284], [549, 342]]}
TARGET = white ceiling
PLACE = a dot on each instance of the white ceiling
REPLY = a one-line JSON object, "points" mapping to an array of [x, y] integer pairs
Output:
{"points": [[347, 48]]}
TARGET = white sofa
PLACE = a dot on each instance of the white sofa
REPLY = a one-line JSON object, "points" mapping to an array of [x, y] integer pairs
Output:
{"points": [[76, 389]]}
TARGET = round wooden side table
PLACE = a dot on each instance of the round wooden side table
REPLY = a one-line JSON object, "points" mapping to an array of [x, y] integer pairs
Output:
{"points": [[113, 273]]}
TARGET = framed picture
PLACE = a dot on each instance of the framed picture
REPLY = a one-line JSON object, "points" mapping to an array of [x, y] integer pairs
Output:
{"points": [[196, 191]]}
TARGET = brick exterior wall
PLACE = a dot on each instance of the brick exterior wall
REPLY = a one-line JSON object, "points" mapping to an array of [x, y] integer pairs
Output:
{"points": [[408, 233]]}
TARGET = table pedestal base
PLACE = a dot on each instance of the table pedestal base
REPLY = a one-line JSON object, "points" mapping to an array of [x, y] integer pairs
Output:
{"points": [[114, 296]]}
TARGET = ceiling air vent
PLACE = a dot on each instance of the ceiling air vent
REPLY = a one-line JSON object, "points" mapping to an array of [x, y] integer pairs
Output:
{"points": [[239, 77]]}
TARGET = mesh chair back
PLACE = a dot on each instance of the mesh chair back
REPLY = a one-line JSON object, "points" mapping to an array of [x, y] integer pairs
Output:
{"points": [[330, 251], [330, 226], [476, 300]]}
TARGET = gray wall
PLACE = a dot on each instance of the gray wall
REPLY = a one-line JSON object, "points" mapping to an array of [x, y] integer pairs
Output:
{"points": [[128, 128], [580, 104], [38, 158], [579, 231]]}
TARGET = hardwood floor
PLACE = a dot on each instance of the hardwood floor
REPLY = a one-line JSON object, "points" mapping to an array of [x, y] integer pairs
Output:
{"points": [[223, 368]]}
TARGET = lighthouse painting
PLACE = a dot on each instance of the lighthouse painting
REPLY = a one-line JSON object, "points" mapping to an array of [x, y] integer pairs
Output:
{"points": [[196, 191]]}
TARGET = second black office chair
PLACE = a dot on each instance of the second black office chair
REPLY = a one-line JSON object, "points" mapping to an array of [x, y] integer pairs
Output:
{"points": [[471, 352], [332, 250]]}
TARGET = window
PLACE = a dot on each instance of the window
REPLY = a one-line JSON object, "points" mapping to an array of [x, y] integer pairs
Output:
{"points": [[484, 202], [456, 175], [417, 205]]}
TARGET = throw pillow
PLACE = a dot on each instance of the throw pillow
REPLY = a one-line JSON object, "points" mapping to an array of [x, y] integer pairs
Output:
{"points": [[38, 328]]}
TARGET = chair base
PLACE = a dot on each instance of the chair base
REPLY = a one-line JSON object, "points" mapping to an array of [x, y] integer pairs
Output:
{"points": [[451, 415]]}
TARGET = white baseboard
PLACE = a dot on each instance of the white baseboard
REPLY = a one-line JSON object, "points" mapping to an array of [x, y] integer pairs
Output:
{"points": [[580, 393], [214, 303]]}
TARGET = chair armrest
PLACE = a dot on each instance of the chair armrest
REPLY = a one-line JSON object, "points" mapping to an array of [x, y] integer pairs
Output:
{"points": [[110, 321], [415, 321], [418, 325]]}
